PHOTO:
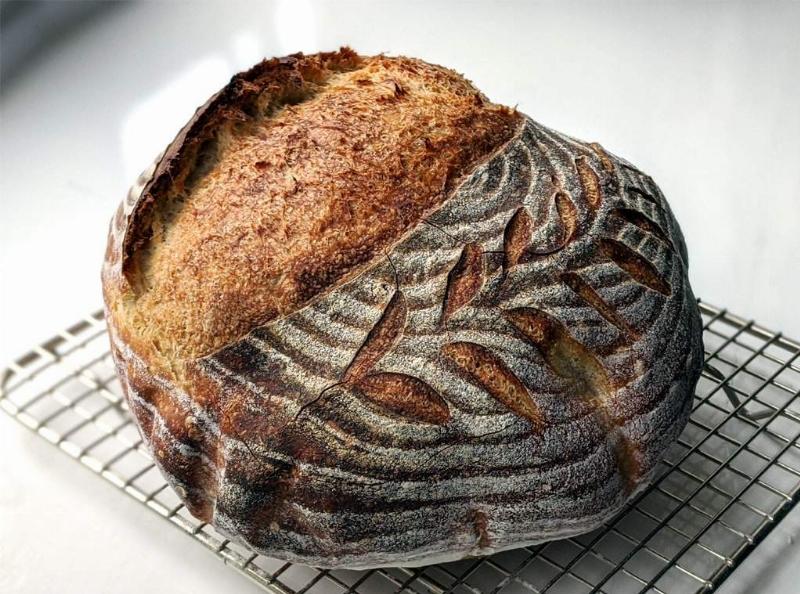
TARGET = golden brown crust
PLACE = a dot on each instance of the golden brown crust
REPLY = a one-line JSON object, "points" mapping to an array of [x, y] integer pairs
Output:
{"points": [[297, 175]]}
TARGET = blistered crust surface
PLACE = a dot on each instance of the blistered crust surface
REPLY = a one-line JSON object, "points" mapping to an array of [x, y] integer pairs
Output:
{"points": [[511, 372]]}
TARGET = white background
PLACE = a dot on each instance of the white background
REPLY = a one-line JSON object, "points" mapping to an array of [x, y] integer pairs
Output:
{"points": [[703, 96]]}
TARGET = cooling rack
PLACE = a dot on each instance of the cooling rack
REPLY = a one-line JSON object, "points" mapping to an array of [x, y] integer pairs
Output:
{"points": [[731, 477]]}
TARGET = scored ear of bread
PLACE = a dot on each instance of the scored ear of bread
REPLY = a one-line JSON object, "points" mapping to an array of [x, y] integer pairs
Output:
{"points": [[364, 317], [296, 176]]}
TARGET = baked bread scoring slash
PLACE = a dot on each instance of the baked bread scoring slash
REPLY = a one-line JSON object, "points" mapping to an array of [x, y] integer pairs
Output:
{"points": [[363, 317]]}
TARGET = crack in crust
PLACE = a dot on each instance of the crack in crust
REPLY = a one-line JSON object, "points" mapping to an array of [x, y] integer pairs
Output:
{"points": [[480, 523]]}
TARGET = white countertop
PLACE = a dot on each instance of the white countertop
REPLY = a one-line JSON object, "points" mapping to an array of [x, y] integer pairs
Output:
{"points": [[704, 97]]}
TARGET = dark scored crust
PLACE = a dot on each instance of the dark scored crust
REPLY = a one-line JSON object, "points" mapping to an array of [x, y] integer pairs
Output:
{"points": [[508, 371]]}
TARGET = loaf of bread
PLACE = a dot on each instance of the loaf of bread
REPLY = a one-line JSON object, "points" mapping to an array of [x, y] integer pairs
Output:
{"points": [[365, 317]]}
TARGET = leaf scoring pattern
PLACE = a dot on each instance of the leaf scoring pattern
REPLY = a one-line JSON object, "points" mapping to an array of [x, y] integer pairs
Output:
{"points": [[635, 265], [645, 223], [568, 215], [576, 282], [590, 183], [464, 280], [571, 360], [642, 193], [602, 155], [516, 237], [489, 371], [405, 396], [380, 339], [566, 356]]}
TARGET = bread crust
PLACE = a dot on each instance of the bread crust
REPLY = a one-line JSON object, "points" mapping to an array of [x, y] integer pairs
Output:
{"points": [[509, 372], [297, 175]]}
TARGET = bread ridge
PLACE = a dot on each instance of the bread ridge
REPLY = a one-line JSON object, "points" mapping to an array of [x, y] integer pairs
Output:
{"points": [[282, 444]]}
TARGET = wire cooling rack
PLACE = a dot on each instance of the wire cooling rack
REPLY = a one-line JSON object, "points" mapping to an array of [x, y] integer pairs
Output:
{"points": [[730, 478]]}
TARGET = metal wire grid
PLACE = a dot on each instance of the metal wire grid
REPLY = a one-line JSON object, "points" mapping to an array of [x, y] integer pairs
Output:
{"points": [[730, 478]]}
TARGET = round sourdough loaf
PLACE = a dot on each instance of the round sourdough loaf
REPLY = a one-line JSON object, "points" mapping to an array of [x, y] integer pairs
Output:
{"points": [[365, 317]]}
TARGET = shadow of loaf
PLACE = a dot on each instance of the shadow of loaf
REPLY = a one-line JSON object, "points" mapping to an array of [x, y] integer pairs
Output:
{"points": [[365, 317]]}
